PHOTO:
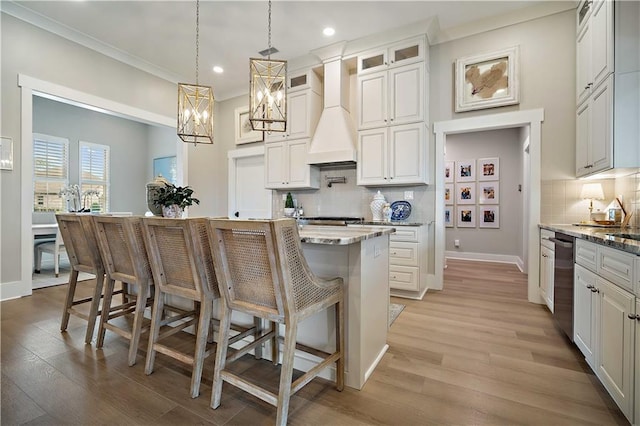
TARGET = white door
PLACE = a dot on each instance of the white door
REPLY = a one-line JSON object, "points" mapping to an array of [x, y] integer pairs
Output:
{"points": [[248, 197]]}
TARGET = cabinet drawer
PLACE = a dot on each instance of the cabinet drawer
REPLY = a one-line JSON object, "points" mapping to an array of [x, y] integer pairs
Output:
{"points": [[401, 253], [586, 254], [405, 233], [404, 277], [616, 266], [545, 234]]}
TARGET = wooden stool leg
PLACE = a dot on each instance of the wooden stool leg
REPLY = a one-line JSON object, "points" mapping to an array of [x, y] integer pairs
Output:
{"points": [[340, 345], [68, 303], [106, 310], [95, 306], [257, 325], [156, 318], [141, 304], [221, 355], [204, 319], [275, 350], [284, 390]]}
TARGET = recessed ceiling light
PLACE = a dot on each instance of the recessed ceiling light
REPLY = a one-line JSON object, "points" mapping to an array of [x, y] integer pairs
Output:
{"points": [[328, 31], [218, 70]]}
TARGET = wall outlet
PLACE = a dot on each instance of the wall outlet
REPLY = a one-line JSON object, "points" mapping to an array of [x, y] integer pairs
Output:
{"points": [[456, 243], [408, 195]]}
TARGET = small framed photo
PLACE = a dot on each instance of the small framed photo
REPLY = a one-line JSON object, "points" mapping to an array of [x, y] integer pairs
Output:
{"points": [[487, 80], [489, 217], [466, 217], [448, 217], [448, 171], [466, 193], [488, 169], [488, 192], [244, 132], [465, 171], [448, 194], [6, 153]]}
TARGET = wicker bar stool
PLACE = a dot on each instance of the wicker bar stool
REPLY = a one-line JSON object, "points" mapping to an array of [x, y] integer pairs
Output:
{"points": [[182, 266], [125, 259], [78, 234], [262, 271]]}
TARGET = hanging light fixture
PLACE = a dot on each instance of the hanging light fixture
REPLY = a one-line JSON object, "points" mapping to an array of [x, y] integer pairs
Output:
{"points": [[195, 104], [268, 91]]}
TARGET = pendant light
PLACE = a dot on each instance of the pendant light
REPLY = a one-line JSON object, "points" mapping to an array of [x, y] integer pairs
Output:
{"points": [[195, 104], [268, 91]]}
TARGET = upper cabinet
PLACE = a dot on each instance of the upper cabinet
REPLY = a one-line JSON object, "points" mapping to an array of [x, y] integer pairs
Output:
{"points": [[607, 86], [398, 54], [392, 115], [287, 168], [594, 48]]}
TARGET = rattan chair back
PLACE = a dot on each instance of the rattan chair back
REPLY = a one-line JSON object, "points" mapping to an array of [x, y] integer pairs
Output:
{"points": [[180, 257], [78, 234]]}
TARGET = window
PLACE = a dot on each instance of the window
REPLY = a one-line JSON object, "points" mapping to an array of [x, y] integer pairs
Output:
{"points": [[50, 172], [94, 176]]}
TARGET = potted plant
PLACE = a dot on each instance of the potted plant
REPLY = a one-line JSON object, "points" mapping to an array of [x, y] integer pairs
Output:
{"points": [[174, 199], [288, 205]]}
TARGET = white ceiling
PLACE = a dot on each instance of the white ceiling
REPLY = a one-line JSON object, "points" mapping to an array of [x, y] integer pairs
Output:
{"points": [[159, 36]]}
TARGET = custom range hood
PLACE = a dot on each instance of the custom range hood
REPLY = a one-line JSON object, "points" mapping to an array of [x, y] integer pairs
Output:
{"points": [[334, 140]]}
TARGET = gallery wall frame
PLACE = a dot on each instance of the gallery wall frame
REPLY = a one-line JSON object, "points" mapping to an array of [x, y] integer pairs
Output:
{"points": [[466, 193], [488, 169], [488, 192], [489, 216], [487, 80], [6, 153], [448, 193], [466, 216], [448, 217], [449, 171], [465, 171]]}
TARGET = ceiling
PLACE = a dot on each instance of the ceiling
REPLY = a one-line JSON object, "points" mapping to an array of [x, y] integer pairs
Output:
{"points": [[159, 36]]}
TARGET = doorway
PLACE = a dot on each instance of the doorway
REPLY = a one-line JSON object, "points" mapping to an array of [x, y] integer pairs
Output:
{"points": [[530, 121], [29, 87]]}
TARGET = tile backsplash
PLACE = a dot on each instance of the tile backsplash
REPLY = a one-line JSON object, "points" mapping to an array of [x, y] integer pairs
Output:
{"points": [[561, 202], [349, 199]]}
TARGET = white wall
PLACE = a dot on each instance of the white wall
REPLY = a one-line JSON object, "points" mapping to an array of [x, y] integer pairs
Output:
{"points": [[36, 53], [505, 145]]}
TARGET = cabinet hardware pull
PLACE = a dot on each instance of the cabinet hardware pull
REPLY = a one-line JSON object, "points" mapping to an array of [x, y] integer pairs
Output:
{"points": [[632, 316], [589, 286]]}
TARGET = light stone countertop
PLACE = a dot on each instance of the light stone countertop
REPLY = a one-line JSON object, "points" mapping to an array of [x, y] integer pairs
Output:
{"points": [[391, 223], [599, 235], [340, 235]]}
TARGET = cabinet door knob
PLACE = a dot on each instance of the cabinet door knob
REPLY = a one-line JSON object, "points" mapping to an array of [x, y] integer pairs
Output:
{"points": [[589, 286], [237, 214]]}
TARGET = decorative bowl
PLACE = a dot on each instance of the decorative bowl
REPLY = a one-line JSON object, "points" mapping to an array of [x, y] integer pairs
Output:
{"points": [[400, 210]]}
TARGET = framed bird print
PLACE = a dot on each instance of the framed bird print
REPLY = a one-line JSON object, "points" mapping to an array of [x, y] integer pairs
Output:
{"points": [[487, 80]]}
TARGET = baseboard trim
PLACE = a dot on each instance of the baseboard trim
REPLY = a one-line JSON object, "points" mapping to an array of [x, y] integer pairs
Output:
{"points": [[408, 294], [12, 290], [486, 257]]}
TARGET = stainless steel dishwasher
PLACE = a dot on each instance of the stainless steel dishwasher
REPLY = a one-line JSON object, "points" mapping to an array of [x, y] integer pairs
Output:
{"points": [[563, 282]]}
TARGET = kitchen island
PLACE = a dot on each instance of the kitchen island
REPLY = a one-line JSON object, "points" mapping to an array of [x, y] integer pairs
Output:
{"points": [[361, 257]]}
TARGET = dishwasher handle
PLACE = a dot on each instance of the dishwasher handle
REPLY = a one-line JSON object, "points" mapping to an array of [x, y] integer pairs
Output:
{"points": [[565, 244]]}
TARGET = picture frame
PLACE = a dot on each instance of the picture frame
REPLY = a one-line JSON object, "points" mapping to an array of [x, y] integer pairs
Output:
{"points": [[488, 192], [466, 217], [465, 171], [448, 171], [6, 153], [448, 194], [489, 216], [487, 80], [488, 169], [167, 167], [448, 217], [244, 133], [466, 193]]}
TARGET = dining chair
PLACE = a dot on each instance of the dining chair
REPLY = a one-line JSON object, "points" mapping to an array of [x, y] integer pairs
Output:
{"points": [[55, 248], [125, 259], [182, 265], [262, 271], [78, 235]]}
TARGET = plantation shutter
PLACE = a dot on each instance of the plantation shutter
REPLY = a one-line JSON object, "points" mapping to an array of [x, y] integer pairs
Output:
{"points": [[94, 175], [50, 172]]}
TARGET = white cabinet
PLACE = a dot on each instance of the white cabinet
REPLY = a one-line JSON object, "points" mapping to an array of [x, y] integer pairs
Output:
{"points": [[287, 168], [547, 266], [394, 155], [303, 113], [397, 54], [615, 351], [391, 97], [585, 305], [594, 48], [407, 262]]}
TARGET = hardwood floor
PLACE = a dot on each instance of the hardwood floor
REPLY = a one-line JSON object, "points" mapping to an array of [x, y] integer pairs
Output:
{"points": [[475, 353]]}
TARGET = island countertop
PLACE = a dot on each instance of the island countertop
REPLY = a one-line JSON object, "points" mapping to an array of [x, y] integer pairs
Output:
{"points": [[341, 235], [600, 235]]}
